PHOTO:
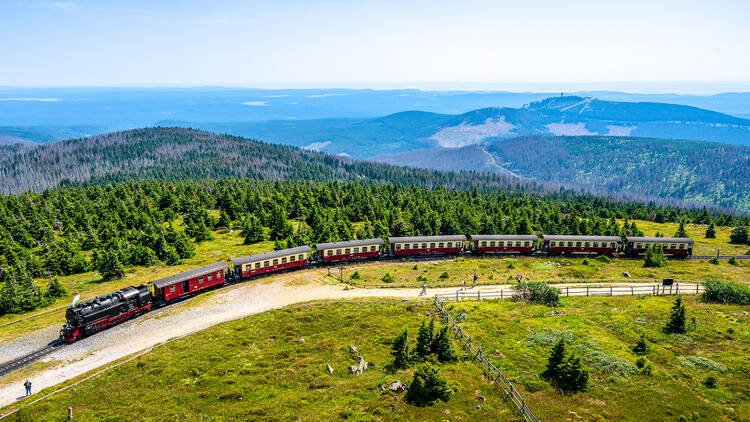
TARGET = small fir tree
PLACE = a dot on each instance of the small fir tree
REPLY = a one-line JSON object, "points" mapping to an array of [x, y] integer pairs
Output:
{"points": [[711, 232], [446, 351], [400, 351], [681, 231], [252, 232], [676, 322], [641, 347], [109, 266], [428, 387], [55, 289], [424, 339], [554, 361]]}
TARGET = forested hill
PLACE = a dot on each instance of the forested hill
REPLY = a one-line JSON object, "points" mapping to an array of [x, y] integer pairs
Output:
{"points": [[177, 154], [707, 172]]}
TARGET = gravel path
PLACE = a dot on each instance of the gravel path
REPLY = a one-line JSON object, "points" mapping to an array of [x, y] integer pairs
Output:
{"points": [[156, 327]]}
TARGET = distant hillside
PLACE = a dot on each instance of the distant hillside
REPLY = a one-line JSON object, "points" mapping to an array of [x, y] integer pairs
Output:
{"points": [[707, 172], [186, 154], [553, 116]]}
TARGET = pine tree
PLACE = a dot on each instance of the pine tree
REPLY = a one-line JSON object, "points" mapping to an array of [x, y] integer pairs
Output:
{"points": [[55, 289], [681, 231], [9, 297], [554, 361], [641, 347], [252, 231], [428, 387], [739, 235], [445, 350], [171, 257], [424, 339], [280, 228], [711, 232], [676, 322], [184, 247], [279, 245], [400, 351], [572, 376], [225, 221], [109, 266]]}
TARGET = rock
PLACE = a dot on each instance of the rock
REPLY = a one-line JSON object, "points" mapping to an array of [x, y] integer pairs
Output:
{"points": [[626, 274], [570, 412], [479, 407], [329, 369], [354, 370], [527, 356], [353, 349], [397, 387], [299, 341], [498, 354], [482, 399], [734, 314]]}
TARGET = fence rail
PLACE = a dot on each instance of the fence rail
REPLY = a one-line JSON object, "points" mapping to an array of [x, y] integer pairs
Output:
{"points": [[487, 366], [651, 289]]}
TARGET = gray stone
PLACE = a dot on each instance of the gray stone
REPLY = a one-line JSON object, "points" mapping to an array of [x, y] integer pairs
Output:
{"points": [[329, 369], [626, 274], [353, 349], [299, 341], [397, 387]]}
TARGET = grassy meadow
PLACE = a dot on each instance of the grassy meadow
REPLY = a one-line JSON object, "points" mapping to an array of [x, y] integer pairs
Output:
{"points": [[697, 232], [575, 270], [252, 369]]}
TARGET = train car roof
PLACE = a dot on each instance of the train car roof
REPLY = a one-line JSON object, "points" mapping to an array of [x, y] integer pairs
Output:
{"points": [[660, 239], [270, 255], [591, 238], [349, 243], [443, 238], [187, 275], [504, 237]]}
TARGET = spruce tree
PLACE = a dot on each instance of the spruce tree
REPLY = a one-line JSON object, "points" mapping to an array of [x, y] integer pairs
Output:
{"points": [[55, 289], [424, 339], [400, 351], [225, 221], [676, 322], [554, 361], [109, 266], [681, 231], [428, 387], [445, 350], [711, 232], [252, 231], [572, 376], [641, 347], [739, 235], [654, 257]]}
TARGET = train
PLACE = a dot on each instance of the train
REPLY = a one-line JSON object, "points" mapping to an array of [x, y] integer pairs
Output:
{"points": [[87, 318]]}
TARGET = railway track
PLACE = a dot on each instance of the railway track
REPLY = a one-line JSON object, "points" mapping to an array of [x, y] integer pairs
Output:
{"points": [[26, 360]]}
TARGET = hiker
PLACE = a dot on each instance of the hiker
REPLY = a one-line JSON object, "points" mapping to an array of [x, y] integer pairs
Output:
{"points": [[475, 280], [519, 278], [27, 384], [463, 283], [424, 289]]}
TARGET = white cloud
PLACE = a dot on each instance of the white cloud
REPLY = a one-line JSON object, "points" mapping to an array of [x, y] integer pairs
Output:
{"points": [[255, 103], [324, 95], [44, 100]]}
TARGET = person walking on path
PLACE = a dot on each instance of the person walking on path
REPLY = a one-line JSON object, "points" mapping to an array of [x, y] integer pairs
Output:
{"points": [[475, 280], [27, 385], [424, 289], [519, 278], [463, 283]]}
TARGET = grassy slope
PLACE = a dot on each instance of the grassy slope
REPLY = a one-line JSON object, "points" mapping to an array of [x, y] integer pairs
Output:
{"points": [[492, 269], [255, 359], [697, 232]]}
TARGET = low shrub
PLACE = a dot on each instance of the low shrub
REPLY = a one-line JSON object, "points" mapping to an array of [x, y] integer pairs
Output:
{"points": [[701, 362], [356, 276], [444, 275], [388, 278], [714, 261], [610, 364], [535, 384], [726, 292], [603, 258], [710, 381], [733, 261], [537, 292], [654, 257], [641, 347], [421, 278]]}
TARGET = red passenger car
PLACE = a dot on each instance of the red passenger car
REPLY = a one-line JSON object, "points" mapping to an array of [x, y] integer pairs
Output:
{"points": [[427, 245], [349, 250], [677, 246], [503, 243], [252, 265], [603, 245], [188, 282]]}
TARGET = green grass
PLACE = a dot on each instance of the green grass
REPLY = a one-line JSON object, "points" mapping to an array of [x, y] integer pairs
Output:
{"points": [[257, 360], [497, 270], [697, 232]]}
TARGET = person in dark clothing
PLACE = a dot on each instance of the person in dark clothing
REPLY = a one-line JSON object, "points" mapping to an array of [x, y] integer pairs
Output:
{"points": [[475, 280], [27, 385]]}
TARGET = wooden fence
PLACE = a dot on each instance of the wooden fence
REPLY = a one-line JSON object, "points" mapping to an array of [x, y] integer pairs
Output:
{"points": [[488, 367], [649, 289]]}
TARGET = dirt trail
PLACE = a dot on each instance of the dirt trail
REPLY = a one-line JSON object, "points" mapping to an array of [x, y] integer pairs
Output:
{"points": [[188, 317]]}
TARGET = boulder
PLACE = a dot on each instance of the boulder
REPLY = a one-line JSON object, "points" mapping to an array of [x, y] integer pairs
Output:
{"points": [[353, 349], [299, 341], [626, 274], [397, 387], [329, 369], [482, 399]]}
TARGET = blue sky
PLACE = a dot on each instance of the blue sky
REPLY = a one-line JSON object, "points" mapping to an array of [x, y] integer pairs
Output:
{"points": [[383, 43]]}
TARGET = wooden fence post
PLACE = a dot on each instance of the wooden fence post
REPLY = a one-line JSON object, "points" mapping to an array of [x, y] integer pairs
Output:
{"points": [[70, 413], [587, 290], [632, 293], [610, 291]]}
